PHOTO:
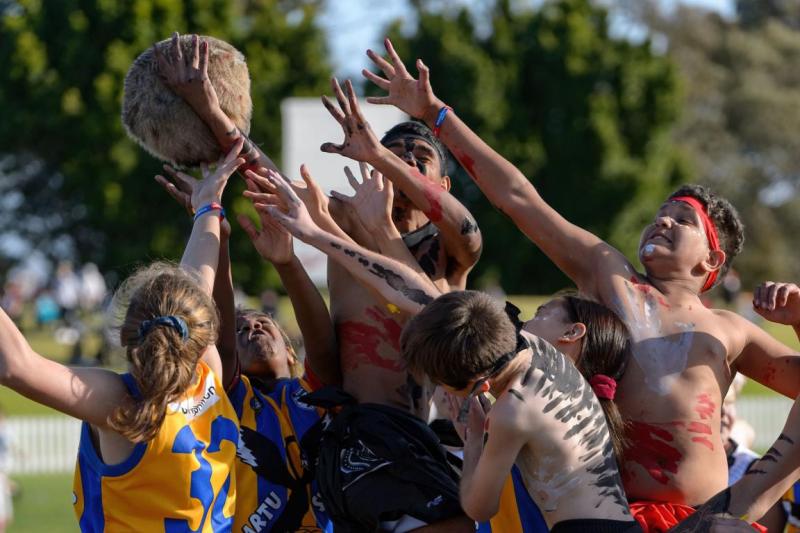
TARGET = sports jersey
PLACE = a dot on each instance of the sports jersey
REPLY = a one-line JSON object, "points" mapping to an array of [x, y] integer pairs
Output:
{"points": [[791, 505], [275, 491], [517, 512], [182, 480]]}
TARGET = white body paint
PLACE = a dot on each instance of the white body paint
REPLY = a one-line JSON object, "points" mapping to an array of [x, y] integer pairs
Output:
{"points": [[662, 357]]}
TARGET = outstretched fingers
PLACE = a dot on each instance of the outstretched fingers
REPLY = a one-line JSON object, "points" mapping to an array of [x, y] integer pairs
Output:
{"points": [[381, 63], [424, 74], [337, 91], [309, 181], [377, 80], [204, 59], [233, 155], [283, 189], [353, 103], [177, 54], [380, 100], [335, 113], [351, 179], [184, 182], [195, 51], [397, 63]]}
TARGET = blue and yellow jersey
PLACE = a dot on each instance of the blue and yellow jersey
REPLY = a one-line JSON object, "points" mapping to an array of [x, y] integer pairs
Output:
{"points": [[791, 505], [275, 493], [518, 513], [182, 480]]}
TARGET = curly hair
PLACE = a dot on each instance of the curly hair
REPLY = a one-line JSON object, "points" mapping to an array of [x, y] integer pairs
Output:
{"points": [[725, 218]]}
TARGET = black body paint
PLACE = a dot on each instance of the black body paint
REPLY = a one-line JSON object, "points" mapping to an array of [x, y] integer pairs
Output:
{"points": [[468, 227], [392, 278], [572, 402]]}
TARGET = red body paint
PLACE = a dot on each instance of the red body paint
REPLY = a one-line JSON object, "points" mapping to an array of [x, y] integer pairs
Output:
{"points": [[771, 372], [705, 406], [647, 289], [467, 162], [652, 450], [699, 427], [361, 341], [433, 193]]}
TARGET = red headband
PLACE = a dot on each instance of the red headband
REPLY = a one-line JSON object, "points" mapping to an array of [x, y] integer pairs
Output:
{"points": [[711, 232], [604, 387]]}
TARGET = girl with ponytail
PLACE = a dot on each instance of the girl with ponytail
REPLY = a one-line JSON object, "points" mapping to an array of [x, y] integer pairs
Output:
{"points": [[158, 443]]}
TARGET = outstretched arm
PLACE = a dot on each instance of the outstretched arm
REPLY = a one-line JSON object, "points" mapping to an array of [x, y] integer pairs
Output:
{"points": [[574, 250], [459, 232], [202, 251], [765, 359], [188, 77], [274, 244], [90, 394], [395, 282], [180, 188]]}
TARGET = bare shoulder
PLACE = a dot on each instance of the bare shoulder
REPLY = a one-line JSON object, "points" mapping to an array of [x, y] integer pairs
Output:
{"points": [[511, 413]]}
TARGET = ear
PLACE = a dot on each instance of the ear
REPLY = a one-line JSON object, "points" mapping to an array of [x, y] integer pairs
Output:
{"points": [[714, 261], [444, 181], [485, 387], [575, 333]]}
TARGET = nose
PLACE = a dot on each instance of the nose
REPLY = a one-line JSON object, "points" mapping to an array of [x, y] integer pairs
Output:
{"points": [[409, 158], [664, 221]]}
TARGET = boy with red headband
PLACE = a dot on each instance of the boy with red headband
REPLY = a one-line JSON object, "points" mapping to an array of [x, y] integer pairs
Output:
{"points": [[684, 355]]}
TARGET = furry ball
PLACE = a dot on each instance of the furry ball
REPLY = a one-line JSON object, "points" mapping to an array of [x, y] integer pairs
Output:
{"points": [[164, 124]]}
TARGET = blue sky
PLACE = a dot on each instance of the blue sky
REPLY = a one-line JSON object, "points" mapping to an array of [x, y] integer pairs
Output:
{"points": [[353, 26]]}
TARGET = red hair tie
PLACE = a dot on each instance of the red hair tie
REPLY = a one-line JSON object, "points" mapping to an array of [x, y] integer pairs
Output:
{"points": [[709, 227], [604, 387]]}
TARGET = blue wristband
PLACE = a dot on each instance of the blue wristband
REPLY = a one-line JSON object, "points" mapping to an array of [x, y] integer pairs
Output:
{"points": [[440, 119], [210, 207]]}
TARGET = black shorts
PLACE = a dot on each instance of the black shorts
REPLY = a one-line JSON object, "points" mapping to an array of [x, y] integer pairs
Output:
{"points": [[379, 465], [596, 525]]}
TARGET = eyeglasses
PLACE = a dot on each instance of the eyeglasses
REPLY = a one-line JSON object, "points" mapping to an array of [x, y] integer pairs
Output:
{"points": [[499, 364]]}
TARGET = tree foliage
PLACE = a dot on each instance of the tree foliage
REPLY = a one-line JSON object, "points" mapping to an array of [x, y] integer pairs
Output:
{"points": [[739, 125], [64, 64], [584, 115]]}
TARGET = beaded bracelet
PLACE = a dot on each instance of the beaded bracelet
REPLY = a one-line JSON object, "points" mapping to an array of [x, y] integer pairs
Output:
{"points": [[210, 207], [440, 119]]}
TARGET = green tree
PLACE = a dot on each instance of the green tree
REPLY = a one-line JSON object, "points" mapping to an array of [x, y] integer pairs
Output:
{"points": [[739, 129], [584, 115], [64, 64]]}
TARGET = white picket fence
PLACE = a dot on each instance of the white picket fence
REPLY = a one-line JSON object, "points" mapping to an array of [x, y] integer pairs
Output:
{"points": [[49, 444], [42, 444]]}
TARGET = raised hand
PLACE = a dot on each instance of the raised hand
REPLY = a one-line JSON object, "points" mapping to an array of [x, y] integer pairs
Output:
{"points": [[187, 76], [209, 189], [180, 188], [272, 241], [372, 201], [289, 210], [181, 191], [360, 142], [778, 302], [415, 97]]}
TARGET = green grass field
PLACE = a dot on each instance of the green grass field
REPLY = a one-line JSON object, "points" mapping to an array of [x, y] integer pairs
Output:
{"points": [[44, 503]]}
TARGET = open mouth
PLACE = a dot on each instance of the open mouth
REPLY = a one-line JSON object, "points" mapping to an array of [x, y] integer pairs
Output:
{"points": [[659, 239]]}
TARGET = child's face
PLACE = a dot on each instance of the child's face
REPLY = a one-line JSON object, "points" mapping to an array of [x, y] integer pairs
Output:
{"points": [[551, 323], [260, 347], [422, 156], [675, 241]]}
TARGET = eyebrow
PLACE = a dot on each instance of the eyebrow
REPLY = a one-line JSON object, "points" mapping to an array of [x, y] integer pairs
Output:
{"points": [[400, 143]]}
